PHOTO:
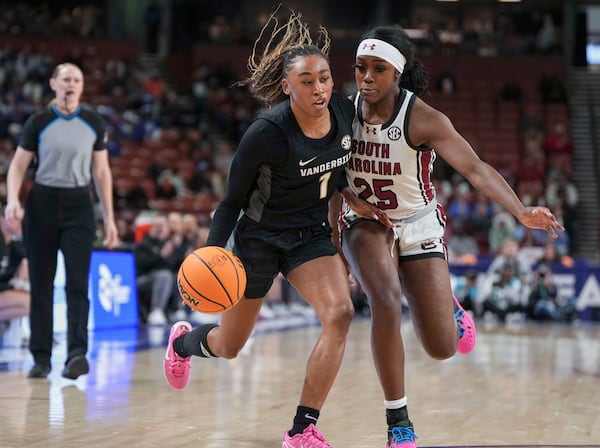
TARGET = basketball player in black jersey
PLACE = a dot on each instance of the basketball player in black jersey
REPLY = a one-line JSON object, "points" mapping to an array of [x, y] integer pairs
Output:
{"points": [[286, 167]]}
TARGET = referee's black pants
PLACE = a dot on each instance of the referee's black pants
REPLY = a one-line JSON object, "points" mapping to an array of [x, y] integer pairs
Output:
{"points": [[58, 218]]}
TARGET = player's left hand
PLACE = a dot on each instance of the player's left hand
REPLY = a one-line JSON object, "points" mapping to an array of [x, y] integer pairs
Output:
{"points": [[367, 209], [541, 218]]}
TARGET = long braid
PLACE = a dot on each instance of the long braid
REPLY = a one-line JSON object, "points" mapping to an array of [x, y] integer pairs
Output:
{"points": [[286, 42]]}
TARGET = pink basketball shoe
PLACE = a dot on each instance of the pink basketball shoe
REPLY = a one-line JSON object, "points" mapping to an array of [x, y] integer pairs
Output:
{"points": [[310, 438], [467, 333], [402, 436], [177, 369]]}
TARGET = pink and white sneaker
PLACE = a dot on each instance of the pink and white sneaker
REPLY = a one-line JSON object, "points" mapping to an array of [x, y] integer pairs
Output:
{"points": [[177, 368], [467, 333], [402, 436], [310, 438]]}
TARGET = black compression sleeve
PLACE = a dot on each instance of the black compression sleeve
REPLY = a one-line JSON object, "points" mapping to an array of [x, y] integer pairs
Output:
{"points": [[222, 224]]}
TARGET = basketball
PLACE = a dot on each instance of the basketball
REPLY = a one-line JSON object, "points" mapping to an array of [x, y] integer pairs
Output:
{"points": [[211, 280]]}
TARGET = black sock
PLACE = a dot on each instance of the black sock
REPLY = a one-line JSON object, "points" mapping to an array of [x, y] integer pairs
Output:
{"points": [[194, 342], [394, 416], [304, 417]]}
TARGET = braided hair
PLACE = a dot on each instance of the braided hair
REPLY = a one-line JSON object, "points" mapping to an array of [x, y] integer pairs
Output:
{"points": [[286, 43]]}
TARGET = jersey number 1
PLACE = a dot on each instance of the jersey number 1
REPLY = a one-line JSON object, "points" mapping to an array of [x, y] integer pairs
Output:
{"points": [[324, 183]]}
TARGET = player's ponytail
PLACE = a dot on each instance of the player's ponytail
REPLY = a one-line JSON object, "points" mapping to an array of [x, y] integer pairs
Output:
{"points": [[286, 43], [415, 79]]}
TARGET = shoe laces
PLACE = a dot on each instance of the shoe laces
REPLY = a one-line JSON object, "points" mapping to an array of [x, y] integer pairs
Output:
{"points": [[458, 315], [311, 433], [402, 434], [178, 365]]}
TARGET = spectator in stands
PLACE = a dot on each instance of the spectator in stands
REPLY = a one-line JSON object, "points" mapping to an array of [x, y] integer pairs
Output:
{"points": [[202, 238], [219, 30], [509, 254], [190, 230], [125, 233], [558, 140], [204, 167], [446, 83], [502, 229], [466, 290], [459, 207], [480, 222], [130, 195], [155, 86], [559, 149], [462, 247], [170, 184], [450, 37], [547, 39], [531, 174], [543, 301], [563, 243], [156, 261], [443, 190], [113, 142], [569, 215], [14, 275], [200, 92], [551, 257], [506, 296], [182, 246], [532, 123]]}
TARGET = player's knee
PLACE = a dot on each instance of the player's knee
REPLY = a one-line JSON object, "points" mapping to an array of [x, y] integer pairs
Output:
{"points": [[388, 304], [340, 316], [440, 349]]}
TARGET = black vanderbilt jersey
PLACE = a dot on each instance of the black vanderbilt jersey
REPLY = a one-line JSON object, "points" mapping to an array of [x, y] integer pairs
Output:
{"points": [[281, 178]]}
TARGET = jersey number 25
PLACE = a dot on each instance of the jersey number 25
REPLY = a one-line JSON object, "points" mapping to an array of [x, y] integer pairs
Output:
{"points": [[386, 199]]}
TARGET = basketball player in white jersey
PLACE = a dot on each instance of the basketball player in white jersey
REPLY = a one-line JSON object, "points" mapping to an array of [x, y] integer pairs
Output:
{"points": [[395, 140]]}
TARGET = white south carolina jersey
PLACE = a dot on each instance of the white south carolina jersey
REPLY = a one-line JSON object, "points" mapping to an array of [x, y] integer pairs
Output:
{"points": [[385, 169]]}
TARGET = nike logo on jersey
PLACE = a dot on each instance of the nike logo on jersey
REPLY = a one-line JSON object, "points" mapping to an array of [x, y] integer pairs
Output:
{"points": [[324, 167], [305, 162]]}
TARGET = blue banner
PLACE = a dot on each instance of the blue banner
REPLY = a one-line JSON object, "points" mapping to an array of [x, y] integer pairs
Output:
{"points": [[112, 291], [581, 281]]}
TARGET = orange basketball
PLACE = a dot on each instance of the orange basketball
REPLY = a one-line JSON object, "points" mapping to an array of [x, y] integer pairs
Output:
{"points": [[211, 280]]}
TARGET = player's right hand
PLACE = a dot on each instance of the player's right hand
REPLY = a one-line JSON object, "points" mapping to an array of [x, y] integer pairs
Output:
{"points": [[13, 213]]}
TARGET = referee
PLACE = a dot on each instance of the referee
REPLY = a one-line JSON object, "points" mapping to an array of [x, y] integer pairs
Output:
{"points": [[67, 141]]}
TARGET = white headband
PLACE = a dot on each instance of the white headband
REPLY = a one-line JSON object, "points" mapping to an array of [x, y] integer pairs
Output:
{"points": [[387, 52]]}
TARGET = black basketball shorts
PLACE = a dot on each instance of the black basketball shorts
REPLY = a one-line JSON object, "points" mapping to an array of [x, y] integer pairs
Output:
{"points": [[267, 252]]}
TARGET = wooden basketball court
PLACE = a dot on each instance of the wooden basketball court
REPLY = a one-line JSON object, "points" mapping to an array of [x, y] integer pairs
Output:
{"points": [[524, 385]]}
